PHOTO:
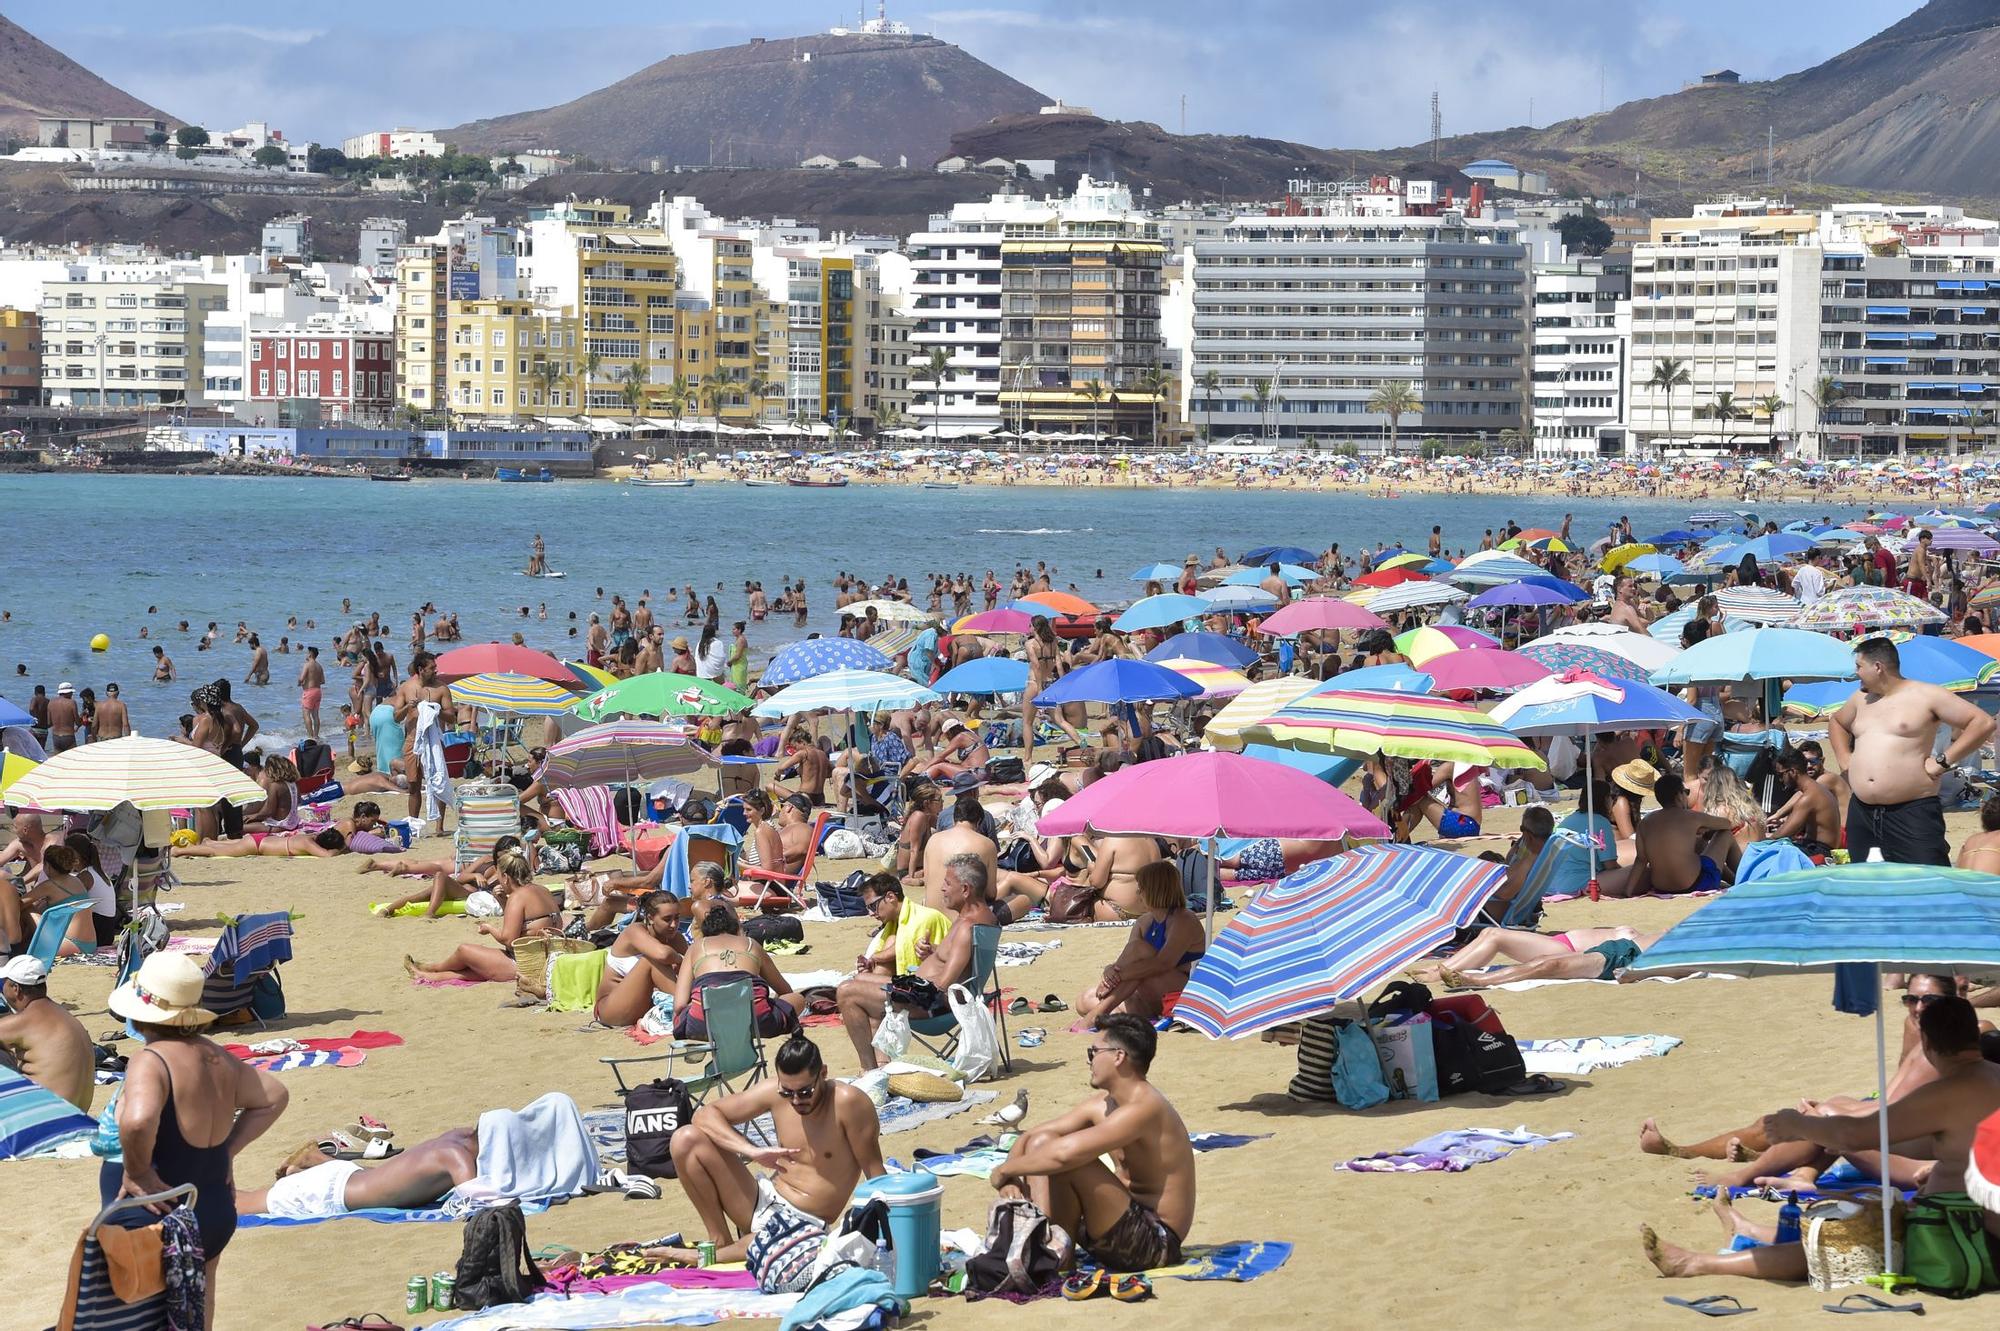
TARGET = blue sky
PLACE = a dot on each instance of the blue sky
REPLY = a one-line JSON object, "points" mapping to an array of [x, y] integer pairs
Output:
{"points": [[1334, 73]]}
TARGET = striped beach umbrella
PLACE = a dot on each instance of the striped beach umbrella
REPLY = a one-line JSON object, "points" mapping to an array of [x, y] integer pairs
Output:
{"points": [[1862, 609], [1964, 538], [523, 695], [1640, 649], [1225, 728], [1400, 725], [147, 773], [660, 693], [1489, 567], [846, 691], [1421, 644], [1329, 932], [820, 656], [889, 611], [1757, 605], [1216, 681], [1411, 595], [624, 752], [589, 676]]}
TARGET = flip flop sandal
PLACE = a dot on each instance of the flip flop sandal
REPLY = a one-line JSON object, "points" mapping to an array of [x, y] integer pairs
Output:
{"points": [[1050, 1003], [1711, 1305], [365, 1322], [1083, 1285], [1131, 1287], [1868, 1303], [610, 1180], [639, 1188], [1020, 1007], [368, 1130], [1031, 1038], [1539, 1083]]}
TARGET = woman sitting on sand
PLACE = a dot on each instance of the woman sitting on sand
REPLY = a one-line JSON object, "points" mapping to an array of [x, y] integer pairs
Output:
{"points": [[721, 952], [448, 883], [528, 908], [926, 802], [1162, 947], [644, 958], [323, 845], [280, 810], [1720, 791]]}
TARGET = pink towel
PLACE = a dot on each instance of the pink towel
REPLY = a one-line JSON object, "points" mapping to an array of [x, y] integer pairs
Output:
{"points": [[589, 809]]}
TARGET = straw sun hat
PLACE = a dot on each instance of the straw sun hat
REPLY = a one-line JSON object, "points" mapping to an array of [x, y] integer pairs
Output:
{"points": [[1637, 776], [165, 992]]}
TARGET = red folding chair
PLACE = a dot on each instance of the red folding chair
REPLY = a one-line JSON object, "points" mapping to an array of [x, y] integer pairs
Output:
{"points": [[779, 888]]}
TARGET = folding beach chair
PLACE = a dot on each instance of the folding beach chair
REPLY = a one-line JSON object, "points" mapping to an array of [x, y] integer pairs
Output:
{"points": [[486, 812], [792, 887], [91, 1303], [247, 952], [1752, 755], [54, 925], [1563, 859], [983, 984], [734, 1051]]}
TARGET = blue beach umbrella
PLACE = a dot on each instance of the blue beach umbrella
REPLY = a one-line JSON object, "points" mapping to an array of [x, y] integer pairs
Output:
{"points": [[1678, 536], [1771, 549], [846, 691], [1238, 598], [1215, 648], [10, 715], [1659, 566], [1118, 680], [1759, 654], [1152, 612], [1156, 573], [1251, 577], [1495, 569], [989, 674], [1393, 678], [1522, 593], [1282, 554], [1329, 932], [821, 656]]}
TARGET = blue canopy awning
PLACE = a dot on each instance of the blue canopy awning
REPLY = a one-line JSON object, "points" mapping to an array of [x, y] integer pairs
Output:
{"points": [[1888, 360], [1875, 336], [1972, 388], [1889, 310]]}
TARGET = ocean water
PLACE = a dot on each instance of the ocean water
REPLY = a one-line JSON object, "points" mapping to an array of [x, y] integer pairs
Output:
{"points": [[110, 554]]}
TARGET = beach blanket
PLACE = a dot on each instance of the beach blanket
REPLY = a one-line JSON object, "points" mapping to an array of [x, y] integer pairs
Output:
{"points": [[588, 809], [1591, 1052], [606, 1127], [35, 1120], [566, 1280], [442, 980], [358, 1040], [1552, 897], [1453, 1152], [308, 1058], [381, 1215], [640, 1305], [1518, 986], [1227, 1261], [1024, 954]]}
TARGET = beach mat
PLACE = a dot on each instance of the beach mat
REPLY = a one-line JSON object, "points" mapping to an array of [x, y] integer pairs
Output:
{"points": [[1520, 986], [1228, 1261], [308, 1058], [1588, 1053], [641, 1305], [416, 909], [381, 1215]]}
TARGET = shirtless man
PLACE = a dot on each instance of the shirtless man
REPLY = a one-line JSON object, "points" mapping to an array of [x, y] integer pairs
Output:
{"points": [[1671, 851], [63, 718], [113, 721], [1921, 571], [1835, 782], [795, 831], [968, 883], [40, 1037], [314, 1186], [1274, 583], [1882, 739], [1133, 1219], [963, 837], [422, 686], [30, 840], [1809, 818], [809, 767], [312, 686], [829, 1139], [260, 662], [1625, 611], [1938, 1120]]}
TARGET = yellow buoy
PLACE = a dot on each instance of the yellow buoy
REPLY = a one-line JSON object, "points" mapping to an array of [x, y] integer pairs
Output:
{"points": [[101, 643]]}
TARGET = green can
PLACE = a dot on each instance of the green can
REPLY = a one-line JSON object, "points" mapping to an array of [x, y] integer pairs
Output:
{"points": [[417, 1295], [705, 1251], [441, 1291]]}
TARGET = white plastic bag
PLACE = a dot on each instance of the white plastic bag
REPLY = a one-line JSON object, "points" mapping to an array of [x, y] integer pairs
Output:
{"points": [[481, 903], [1563, 757], [978, 1035], [892, 1037]]}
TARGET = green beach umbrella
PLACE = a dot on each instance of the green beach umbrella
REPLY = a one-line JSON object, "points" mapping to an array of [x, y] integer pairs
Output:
{"points": [[663, 693]]}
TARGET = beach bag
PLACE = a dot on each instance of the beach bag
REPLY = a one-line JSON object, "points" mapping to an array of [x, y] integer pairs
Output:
{"points": [[1017, 857], [768, 929], [892, 1037], [654, 1112], [842, 900], [1070, 903], [494, 1266], [1006, 771], [1946, 1249], [1357, 1069], [1025, 1252], [649, 844], [1843, 1240], [1408, 1064], [978, 1035], [1471, 1058]]}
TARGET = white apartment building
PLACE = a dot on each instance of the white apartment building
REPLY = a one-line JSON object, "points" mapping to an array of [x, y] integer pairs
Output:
{"points": [[1576, 362], [1731, 297], [127, 338], [394, 143], [261, 299], [1302, 319]]}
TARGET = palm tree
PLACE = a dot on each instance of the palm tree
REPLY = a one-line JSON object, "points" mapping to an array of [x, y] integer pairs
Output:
{"points": [[1094, 390], [1826, 394], [632, 387], [1510, 439], [1260, 393], [1211, 384], [1669, 373], [761, 390], [1768, 406], [935, 369], [586, 370], [888, 417], [710, 392], [1154, 383], [1396, 398], [547, 375], [1724, 408], [677, 399]]}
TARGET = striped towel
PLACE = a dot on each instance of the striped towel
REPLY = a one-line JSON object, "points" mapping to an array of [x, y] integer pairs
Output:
{"points": [[35, 1120], [589, 809]]}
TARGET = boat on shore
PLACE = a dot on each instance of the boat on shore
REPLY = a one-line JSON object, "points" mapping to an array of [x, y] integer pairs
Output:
{"points": [[665, 485], [520, 475], [940, 485], [804, 484], [764, 485], [390, 476]]}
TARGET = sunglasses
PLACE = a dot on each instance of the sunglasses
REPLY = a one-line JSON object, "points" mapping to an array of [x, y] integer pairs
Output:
{"points": [[801, 1094], [1923, 1000], [1092, 1051]]}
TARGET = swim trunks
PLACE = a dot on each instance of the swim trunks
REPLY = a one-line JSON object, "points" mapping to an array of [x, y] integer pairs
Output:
{"points": [[1261, 860], [784, 1241], [1140, 1241], [318, 1193], [1618, 954], [309, 699], [1908, 833], [1709, 879]]}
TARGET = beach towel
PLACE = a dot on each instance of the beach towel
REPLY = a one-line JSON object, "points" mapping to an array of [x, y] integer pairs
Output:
{"points": [[1453, 1152], [573, 980], [416, 909], [640, 1305], [443, 980], [832, 1302], [1520, 985], [1227, 1261], [531, 1154], [381, 1215], [1024, 954], [358, 1040], [35, 1120], [1591, 1052], [308, 1058], [570, 1280], [982, 1161], [674, 878], [589, 809], [428, 745]]}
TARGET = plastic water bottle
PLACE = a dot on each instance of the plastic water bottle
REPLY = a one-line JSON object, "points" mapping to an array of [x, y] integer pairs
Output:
{"points": [[885, 1260], [1874, 855], [1789, 1217]]}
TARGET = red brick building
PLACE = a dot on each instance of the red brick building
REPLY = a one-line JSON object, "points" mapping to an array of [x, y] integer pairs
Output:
{"points": [[349, 371]]}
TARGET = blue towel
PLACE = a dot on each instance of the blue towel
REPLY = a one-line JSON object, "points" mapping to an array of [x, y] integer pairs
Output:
{"points": [[856, 1288], [674, 878], [381, 1215], [1856, 988], [34, 1119]]}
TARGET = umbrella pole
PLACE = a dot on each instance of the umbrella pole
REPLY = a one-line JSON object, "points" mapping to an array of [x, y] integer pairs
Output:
{"points": [[1882, 1120], [1214, 875], [1590, 815]]}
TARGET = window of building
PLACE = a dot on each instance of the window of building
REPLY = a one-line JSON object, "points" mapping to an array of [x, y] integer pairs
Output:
{"points": [[263, 383]]}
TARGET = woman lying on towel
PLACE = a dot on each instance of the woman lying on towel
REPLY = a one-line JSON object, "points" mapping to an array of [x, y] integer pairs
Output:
{"points": [[527, 908], [323, 845]]}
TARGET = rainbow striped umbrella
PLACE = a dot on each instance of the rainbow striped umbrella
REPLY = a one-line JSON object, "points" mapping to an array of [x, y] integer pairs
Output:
{"points": [[504, 691], [589, 676], [1330, 932], [1218, 681], [1225, 728], [147, 773], [623, 752], [1399, 725]]}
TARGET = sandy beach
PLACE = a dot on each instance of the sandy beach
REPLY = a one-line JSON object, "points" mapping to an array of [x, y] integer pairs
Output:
{"points": [[1542, 1238]]}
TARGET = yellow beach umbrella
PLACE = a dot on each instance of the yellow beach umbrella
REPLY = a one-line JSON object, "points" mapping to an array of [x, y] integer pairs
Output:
{"points": [[12, 768], [1620, 556]]}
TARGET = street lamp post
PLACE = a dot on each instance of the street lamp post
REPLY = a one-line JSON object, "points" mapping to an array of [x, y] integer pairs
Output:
{"points": [[102, 396]]}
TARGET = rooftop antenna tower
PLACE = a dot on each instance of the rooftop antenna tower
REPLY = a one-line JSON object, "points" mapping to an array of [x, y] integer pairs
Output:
{"points": [[1437, 124]]}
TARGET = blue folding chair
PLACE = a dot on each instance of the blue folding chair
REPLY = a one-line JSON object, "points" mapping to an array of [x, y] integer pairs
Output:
{"points": [[983, 985], [52, 928]]}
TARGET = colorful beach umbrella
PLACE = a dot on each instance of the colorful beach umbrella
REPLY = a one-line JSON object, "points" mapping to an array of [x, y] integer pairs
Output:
{"points": [[1965, 539], [888, 610], [1619, 556], [1330, 932], [1553, 544], [1655, 566], [1946, 662], [1284, 554], [522, 695], [1219, 648], [996, 623], [1398, 725], [11, 715], [1153, 612], [1526, 592], [1294, 574], [1216, 681], [846, 691], [1156, 573], [1757, 605], [821, 656], [1421, 644], [984, 675], [1210, 794], [1237, 598], [1062, 603], [624, 753], [1483, 670], [1561, 656], [1864, 609], [1319, 614], [1389, 577], [494, 658], [661, 693], [1413, 595], [1118, 681], [1224, 729], [590, 677], [12, 768], [1640, 649], [1394, 677], [1489, 567], [146, 773]]}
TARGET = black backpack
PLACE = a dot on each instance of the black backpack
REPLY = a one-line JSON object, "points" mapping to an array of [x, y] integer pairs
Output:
{"points": [[654, 1112], [494, 1267], [774, 929], [1025, 1252], [1470, 1058]]}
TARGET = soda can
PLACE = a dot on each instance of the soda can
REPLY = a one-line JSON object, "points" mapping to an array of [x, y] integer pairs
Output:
{"points": [[705, 1250], [441, 1291], [417, 1295]]}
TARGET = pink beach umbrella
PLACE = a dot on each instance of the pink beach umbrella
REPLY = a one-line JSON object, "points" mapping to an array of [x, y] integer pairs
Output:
{"points": [[1319, 614], [1484, 669], [1208, 795]]}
